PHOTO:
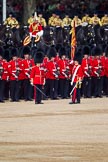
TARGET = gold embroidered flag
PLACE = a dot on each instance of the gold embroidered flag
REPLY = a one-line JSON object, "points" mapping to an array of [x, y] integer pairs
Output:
{"points": [[73, 41]]}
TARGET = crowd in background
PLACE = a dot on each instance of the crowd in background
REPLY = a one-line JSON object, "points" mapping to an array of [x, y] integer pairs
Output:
{"points": [[59, 7]]}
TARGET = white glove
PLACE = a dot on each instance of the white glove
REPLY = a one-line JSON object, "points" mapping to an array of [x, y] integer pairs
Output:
{"points": [[71, 83], [30, 35], [40, 33], [31, 83]]}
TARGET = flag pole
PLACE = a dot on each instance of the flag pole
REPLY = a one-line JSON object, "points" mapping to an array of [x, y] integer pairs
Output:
{"points": [[4, 10]]}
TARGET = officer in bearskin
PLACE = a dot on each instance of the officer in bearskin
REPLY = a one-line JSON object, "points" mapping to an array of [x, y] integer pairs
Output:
{"points": [[87, 70], [64, 74], [76, 80], [52, 73], [98, 71], [14, 68], [37, 77], [28, 63]]}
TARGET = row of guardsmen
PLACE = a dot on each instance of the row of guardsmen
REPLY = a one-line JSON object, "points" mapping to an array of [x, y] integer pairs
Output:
{"points": [[56, 21], [53, 75]]}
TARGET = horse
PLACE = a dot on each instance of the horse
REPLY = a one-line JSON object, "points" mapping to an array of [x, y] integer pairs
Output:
{"points": [[10, 36], [104, 34], [95, 35], [2, 35], [89, 34], [82, 35], [66, 34]]}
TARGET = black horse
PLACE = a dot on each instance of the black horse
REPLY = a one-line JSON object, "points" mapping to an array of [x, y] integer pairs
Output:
{"points": [[104, 34], [66, 34], [2, 35], [88, 35], [10, 36]]}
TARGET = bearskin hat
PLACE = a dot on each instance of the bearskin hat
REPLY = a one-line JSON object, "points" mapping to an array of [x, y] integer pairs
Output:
{"points": [[68, 51], [78, 56], [7, 55], [38, 57], [96, 51], [52, 52], [14, 52], [106, 51], [86, 50], [62, 51], [1, 51], [25, 50]]}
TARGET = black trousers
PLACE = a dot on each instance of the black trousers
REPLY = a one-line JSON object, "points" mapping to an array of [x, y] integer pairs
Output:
{"points": [[106, 86], [86, 87], [47, 87], [98, 86], [28, 89], [2, 86], [14, 90], [38, 96], [53, 84], [64, 87]]}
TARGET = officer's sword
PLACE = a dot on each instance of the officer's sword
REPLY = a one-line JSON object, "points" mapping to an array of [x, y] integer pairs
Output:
{"points": [[72, 90], [40, 90]]}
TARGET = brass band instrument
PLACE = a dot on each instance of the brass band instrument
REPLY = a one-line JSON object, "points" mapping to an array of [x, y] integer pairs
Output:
{"points": [[27, 40]]}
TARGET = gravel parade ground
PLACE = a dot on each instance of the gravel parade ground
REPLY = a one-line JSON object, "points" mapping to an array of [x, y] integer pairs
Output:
{"points": [[54, 131]]}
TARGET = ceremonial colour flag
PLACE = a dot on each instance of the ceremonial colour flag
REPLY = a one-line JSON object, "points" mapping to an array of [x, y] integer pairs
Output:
{"points": [[73, 41]]}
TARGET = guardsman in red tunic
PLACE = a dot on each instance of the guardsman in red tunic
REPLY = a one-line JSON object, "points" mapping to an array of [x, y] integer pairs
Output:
{"points": [[77, 76], [52, 73], [14, 68], [37, 77], [3, 74], [64, 74], [87, 70], [6, 58], [98, 72], [106, 71], [5, 78], [28, 63]]}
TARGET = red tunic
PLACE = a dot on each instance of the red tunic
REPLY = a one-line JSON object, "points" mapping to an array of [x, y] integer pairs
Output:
{"points": [[5, 75], [79, 73], [87, 67], [106, 67], [35, 28], [27, 66], [51, 70], [15, 68], [37, 74], [64, 69], [98, 67]]}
